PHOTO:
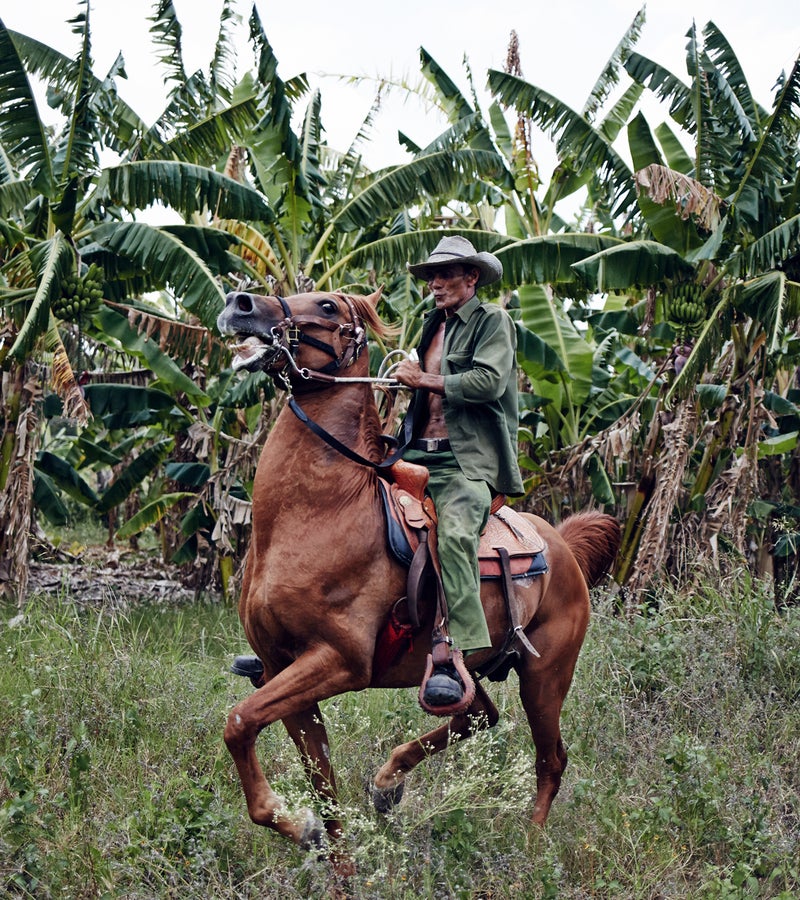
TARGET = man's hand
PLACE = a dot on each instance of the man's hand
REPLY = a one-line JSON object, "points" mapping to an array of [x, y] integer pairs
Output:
{"points": [[411, 375]]}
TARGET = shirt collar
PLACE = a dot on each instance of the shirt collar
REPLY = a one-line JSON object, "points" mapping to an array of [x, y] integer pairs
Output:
{"points": [[465, 311]]}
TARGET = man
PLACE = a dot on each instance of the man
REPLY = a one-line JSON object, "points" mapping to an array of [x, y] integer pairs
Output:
{"points": [[462, 425]]}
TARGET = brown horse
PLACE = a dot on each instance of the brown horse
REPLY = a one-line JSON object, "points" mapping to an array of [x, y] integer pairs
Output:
{"points": [[319, 582]]}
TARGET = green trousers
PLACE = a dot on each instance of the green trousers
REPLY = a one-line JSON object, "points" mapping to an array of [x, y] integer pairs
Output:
{"points": [[462, 507]]}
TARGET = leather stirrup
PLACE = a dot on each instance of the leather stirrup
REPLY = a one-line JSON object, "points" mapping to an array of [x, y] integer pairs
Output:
{"points": [[442, 654]]}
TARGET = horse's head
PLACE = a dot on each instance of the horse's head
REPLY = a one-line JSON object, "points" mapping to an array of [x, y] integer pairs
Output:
{"points": [[312, 335]]}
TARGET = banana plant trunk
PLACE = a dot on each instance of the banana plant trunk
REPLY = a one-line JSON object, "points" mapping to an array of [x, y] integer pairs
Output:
{"points": [[20, 393]]}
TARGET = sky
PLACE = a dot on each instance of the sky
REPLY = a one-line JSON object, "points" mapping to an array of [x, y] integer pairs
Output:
{"points": [[563, 48]]}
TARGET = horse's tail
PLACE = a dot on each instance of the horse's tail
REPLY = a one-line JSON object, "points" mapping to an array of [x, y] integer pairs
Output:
{"points": [[594, 538]]}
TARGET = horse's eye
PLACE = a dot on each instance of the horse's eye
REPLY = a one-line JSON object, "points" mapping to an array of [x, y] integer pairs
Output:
{"points": [[329, 307]]}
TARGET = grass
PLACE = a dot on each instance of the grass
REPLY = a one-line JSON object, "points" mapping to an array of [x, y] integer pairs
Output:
{"points": [[682, 725]]}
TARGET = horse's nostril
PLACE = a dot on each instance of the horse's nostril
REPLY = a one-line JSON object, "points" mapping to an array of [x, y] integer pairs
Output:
{"points": [[244, 302]]}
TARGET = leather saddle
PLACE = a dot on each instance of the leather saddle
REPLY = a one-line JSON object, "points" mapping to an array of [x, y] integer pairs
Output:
{"points": [[410, 514], [510, 548]]}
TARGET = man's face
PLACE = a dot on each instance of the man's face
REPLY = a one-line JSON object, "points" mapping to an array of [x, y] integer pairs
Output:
{"points": [[452, 286]]}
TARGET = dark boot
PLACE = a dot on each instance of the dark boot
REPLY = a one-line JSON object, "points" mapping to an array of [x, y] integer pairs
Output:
{"points": [[447, 688], [444, 687], [249, 667]]}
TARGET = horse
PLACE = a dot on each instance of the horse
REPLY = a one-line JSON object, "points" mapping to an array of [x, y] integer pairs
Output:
{"points": [[319, 582]]}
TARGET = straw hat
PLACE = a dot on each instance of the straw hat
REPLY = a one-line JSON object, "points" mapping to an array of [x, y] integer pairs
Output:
{"points": [[456, 249]]}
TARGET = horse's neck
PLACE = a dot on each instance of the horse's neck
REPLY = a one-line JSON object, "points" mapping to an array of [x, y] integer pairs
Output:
{"points": [[348, 413]]}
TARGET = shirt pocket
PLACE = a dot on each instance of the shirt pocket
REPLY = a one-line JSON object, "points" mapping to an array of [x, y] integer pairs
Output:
{"points": [[458, 361]]}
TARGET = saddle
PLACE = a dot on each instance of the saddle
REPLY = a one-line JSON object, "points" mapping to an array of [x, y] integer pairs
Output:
{"points": [[510, 548]]}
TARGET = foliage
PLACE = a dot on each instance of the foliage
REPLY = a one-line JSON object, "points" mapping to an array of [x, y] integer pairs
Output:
{"points": [[701, 300], [666, 307], [71, 228]]}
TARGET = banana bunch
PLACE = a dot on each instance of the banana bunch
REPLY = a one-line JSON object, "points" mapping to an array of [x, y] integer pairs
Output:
{"points": [[79, 294], [685, 309]]}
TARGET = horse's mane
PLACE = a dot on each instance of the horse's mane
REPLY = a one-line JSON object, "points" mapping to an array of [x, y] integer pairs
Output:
{"points": [[369, 314]]}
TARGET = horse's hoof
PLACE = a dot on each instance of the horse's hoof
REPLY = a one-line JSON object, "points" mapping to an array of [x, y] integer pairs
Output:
{"points": [[313, 835], [385, 799]]}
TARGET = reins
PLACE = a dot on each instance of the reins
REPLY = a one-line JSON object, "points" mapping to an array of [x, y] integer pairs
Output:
{"points": [[289, 329], [337, 445]]}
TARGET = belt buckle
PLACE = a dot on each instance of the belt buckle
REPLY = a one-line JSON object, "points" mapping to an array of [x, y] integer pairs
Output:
{"points": [[432, 444]]}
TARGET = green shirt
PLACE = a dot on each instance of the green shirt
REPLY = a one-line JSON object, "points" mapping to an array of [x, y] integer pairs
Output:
{"points": [[480, 391]]}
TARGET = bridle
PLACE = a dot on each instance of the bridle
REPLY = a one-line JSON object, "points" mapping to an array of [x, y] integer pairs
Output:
{"points": [[347, 341]]}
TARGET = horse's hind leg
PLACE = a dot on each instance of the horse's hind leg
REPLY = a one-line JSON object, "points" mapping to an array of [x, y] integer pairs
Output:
{"points": [[389, 781], [542, 693]]}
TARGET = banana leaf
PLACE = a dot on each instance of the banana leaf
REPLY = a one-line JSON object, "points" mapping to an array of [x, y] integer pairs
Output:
{"points": [[549, 259], [127, 405], [47, 500], [188, 473], [111, 323], [169, 261], [642, 263], [779, 445], [52, 261], [545, 317], [21, 126], [132, 477], [663, 219], [151, 514], [185, 187], [60, 472]]}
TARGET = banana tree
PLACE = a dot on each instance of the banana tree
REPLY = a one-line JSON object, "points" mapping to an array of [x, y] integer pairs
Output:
{"points": [[571, 389], [706, 274], [333, 221], [719, 255], [75, 261]]}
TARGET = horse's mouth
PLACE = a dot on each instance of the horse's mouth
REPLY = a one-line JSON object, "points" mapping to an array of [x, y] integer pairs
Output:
{"points": [[253, 352]]}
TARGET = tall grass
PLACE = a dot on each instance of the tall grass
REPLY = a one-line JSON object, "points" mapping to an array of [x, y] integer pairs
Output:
{"points": [[683, 727]]}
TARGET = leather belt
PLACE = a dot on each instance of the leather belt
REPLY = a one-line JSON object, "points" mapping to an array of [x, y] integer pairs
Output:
{"points": [[430, 445]]}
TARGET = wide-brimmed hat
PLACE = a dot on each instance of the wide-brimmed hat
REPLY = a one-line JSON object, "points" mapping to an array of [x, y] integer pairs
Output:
{"points": [[456, 249]]}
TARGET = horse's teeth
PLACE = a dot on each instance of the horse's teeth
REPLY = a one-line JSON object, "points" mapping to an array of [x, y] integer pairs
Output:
{"points": [[248, 351]]}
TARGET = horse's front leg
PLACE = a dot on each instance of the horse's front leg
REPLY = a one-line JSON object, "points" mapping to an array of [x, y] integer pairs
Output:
{"points": [[389, 782], [317, 674]]}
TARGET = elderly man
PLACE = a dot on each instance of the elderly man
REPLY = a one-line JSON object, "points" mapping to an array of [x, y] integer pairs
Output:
{"points": [[462, 425]]}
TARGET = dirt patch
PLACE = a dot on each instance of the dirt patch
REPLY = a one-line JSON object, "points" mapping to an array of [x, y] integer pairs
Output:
{"points": [[115, 578]]}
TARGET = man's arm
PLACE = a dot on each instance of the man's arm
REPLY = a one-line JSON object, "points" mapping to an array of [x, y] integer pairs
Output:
{"points": [[410, 374]]}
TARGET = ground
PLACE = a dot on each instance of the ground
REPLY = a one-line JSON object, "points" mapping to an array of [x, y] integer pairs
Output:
{"points": [[100, 576]]}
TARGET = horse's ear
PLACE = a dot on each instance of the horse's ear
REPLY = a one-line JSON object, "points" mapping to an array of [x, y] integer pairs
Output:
{"points": [[373, 298]]}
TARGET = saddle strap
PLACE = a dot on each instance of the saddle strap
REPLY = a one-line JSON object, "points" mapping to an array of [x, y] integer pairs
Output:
{"points": [[420, 564], [441, 601], [515, 631], [508, 592]]}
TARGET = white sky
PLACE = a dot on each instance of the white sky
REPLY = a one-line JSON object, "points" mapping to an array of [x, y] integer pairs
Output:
{"points": [[563, 47]]}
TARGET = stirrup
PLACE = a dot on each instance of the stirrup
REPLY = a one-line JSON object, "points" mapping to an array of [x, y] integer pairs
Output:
{"points": [[446, 658]]}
